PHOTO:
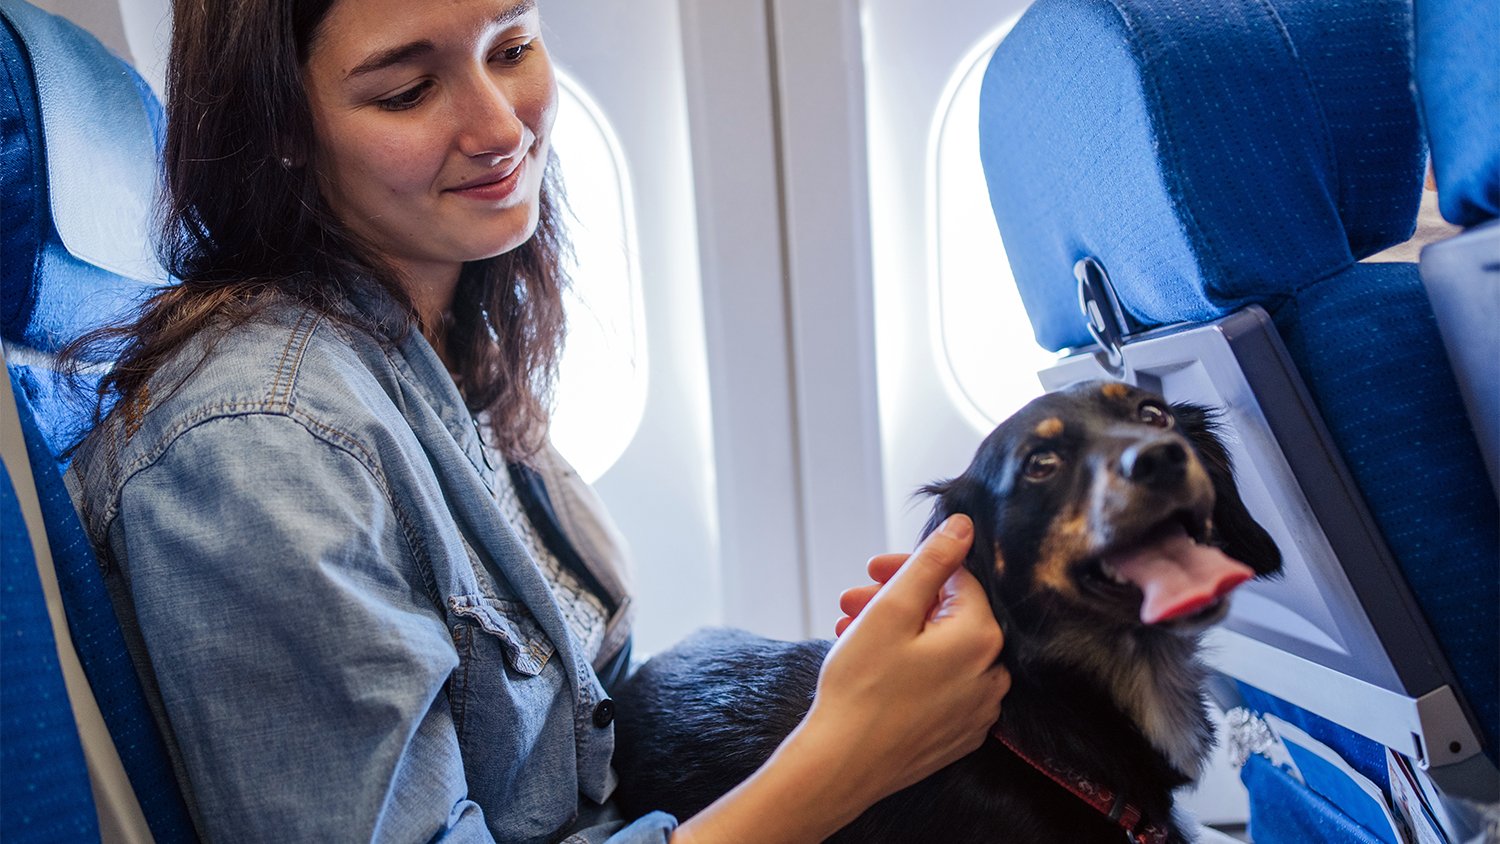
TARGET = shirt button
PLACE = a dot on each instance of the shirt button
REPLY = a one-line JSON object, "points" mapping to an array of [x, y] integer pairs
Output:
{"points": [[604, 713]]}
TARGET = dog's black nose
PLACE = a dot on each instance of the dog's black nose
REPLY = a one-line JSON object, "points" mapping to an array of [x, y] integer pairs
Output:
{"points": [[1155, 463]]}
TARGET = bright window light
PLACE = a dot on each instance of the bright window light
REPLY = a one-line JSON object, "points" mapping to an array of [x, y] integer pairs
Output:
{"points": [[983, 333], [601, 389]]}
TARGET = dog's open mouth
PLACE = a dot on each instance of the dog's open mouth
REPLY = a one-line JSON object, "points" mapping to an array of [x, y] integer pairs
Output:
{"points": [[1180, 578]]}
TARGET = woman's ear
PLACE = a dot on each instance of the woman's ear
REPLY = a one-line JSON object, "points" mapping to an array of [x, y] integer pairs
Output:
{"points": [[1238, 534]]}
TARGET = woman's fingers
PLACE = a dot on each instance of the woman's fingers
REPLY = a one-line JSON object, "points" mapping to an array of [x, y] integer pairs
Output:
{"points": [[961, 590], [912, 684], [852, 601], [909, 593], [882, 566]]}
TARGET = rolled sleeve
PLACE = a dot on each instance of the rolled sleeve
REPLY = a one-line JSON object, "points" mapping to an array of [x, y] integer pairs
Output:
{"points": [[300, 661], [655, 828]]}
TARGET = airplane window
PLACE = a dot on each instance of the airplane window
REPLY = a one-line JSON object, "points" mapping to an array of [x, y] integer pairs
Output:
{"points": [[985, 338], [601, 390]]}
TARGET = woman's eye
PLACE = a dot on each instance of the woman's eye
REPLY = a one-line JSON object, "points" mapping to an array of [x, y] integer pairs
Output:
{"points": [[514, 54], [1042, 465], [406, 99], [1154, 414]]}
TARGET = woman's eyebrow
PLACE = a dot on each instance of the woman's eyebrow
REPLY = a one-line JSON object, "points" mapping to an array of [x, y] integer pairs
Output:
{"points": [[407, 52], [393, 56]]}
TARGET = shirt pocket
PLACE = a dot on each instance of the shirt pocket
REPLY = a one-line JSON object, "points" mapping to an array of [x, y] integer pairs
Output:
{"points": [[514, 715], [525, 646]]}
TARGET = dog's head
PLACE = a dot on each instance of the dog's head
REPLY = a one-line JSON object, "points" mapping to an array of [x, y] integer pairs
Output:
{"points": [[1102, 505]]}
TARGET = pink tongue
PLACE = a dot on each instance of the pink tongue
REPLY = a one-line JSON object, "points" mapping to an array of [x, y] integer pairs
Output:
{"points": [[1178, 576]]}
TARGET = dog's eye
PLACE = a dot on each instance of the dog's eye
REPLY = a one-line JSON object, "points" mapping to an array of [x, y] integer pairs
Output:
{"points": [[1042, 465], [1154, 414]]}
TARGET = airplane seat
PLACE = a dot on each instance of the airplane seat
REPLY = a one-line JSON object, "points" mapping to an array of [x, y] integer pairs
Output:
{"points": [[1186, 190], [1458, 85], [80, 179], [78, 163], [41, 759]]}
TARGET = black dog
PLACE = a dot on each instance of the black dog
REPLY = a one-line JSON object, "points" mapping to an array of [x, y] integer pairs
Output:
{"points": [[1104, 522]]}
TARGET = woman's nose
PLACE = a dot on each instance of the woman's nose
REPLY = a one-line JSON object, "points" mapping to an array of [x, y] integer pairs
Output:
{"points": [[488, 122]]}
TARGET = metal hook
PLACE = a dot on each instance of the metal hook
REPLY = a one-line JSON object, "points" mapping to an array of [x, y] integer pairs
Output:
{"points": [[1104, 316]]}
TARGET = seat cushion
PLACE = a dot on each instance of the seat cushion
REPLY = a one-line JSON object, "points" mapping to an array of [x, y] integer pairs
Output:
{"points": [[1368, 347]]}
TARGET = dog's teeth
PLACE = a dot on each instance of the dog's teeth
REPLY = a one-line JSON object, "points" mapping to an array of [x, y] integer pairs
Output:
{"points": [[1112, 574]]}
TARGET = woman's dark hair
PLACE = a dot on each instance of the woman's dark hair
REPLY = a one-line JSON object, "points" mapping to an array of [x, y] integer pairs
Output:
{"points": [[240, 227]]}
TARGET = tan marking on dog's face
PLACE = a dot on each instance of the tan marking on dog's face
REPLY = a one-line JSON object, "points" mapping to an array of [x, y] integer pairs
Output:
{"points": [[1048, 428], [1115, 390], [1068, 541]]}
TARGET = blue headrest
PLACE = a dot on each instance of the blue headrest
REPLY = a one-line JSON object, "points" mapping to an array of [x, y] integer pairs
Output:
{"points": [[1458, 78], [78, 167], [1209, 153]]}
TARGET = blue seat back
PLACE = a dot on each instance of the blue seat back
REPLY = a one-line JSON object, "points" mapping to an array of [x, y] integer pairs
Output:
{"points": [[81, 136], [44, 786], [79, 169], [1458, 77], [1210, 154]]}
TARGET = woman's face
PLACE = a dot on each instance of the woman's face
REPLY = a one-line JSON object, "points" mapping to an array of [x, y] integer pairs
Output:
{"points": [[432, 123]]}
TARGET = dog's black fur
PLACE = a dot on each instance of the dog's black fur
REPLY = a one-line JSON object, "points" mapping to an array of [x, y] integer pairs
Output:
{"points": [[1071, 476]]}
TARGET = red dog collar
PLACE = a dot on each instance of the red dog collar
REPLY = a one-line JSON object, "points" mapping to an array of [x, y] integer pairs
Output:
{"points": [[1103, 800]]}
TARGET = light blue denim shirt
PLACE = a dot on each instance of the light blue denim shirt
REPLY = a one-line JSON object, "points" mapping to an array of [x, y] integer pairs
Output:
{"points": [[340, 636]]}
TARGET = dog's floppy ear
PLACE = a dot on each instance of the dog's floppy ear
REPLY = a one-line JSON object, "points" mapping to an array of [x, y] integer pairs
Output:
{"points": [[965, 495], [1240, 535], [946, 495]]}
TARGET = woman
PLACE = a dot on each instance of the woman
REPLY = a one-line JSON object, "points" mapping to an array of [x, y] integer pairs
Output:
{"points": [[301, 492]]}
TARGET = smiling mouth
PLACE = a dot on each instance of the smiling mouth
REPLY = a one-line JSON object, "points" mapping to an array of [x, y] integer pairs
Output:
{"points": [[493, 189], [1102, 567], [1170, 571]]}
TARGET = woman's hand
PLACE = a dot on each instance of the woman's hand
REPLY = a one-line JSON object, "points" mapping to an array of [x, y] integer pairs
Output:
{"points": [[853, 601], [912, 685], [914, 678]]}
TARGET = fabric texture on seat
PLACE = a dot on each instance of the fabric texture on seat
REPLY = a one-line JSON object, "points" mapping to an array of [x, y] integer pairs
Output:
{"points": [[1210, 155], [44, 785], [101, 647], [76, 221], [1458, 77], [1368, 348], [1284, 811], [87, 256]]}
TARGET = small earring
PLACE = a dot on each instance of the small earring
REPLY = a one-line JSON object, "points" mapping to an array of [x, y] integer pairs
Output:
{"points": [[286, 162]]}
